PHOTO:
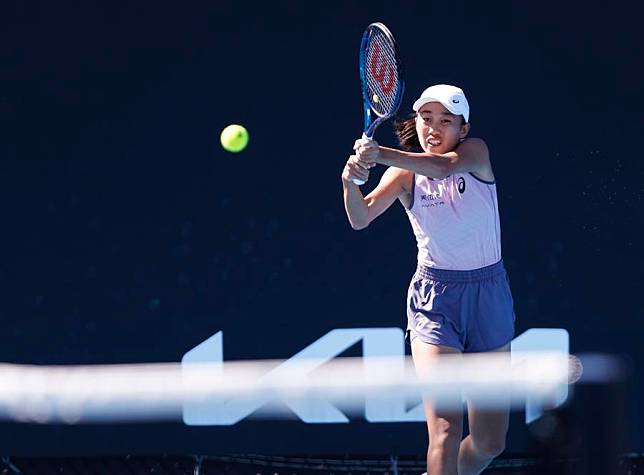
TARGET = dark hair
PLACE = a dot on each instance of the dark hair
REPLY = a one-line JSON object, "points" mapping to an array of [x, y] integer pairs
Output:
{"points": [[406, 132]]}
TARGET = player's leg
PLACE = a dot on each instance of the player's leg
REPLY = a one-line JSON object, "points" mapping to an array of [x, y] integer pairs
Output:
{"points": [[445, 428], [488, 429]]}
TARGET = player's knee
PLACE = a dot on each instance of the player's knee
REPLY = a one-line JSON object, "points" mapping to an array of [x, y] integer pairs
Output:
{"points": [[446, 439], [490, 447]]}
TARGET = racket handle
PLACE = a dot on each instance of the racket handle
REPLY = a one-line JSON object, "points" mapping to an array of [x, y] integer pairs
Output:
{"points": [[357, 181]]}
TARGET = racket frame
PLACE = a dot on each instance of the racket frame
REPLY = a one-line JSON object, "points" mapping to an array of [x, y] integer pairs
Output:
{"points": [[370, 124]]}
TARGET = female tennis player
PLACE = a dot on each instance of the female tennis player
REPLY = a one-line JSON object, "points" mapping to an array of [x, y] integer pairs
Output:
{"points": [[459, 299]]}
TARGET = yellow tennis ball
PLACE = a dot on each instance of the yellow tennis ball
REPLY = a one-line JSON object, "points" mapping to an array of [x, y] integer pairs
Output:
{"points": [[375, 98], [234, 138]]}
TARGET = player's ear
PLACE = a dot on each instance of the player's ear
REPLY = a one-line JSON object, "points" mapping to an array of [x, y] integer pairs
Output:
{"points": [[465, 129]]}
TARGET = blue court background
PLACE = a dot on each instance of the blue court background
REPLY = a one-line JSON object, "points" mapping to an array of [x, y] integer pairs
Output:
{"points": [[128, 235]]}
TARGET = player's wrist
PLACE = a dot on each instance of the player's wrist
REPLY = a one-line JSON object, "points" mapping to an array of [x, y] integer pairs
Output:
{"points": [[384, 156]]}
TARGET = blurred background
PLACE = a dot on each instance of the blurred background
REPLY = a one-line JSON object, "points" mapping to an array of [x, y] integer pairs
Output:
{"points": [[129, 235]]}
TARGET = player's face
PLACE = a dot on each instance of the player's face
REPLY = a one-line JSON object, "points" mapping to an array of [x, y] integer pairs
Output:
{"points": [[439, 131]]}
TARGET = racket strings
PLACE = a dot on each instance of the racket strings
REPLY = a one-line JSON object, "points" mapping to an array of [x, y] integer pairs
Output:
{"points": [[381, 74]]}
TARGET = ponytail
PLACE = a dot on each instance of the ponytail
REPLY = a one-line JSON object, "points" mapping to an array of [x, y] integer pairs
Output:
{"points": [[406, 133]]}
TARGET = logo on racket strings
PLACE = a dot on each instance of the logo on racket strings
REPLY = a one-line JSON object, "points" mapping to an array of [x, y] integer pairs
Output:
{"points": [[379, 70]]}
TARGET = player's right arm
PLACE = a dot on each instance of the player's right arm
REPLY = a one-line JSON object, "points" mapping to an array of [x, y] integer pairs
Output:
{"points": [[362, 210]]}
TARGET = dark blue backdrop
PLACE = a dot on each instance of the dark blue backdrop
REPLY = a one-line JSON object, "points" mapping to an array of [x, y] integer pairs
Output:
{"points": [[129, 235]]}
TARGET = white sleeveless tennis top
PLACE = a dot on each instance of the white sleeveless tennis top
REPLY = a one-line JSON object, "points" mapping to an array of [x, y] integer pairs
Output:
{"points": [[456, 222]]}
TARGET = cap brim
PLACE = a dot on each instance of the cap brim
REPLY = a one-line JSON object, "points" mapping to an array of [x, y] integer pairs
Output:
{"points": [[424, 100]]}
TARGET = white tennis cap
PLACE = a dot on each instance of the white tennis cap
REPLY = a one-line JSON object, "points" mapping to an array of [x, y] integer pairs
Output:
{"points": [[452, 97]]}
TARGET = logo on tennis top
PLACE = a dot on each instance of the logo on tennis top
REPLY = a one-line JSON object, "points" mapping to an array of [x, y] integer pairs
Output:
{"points": [[455, 101], [379, 70], [461, 185]]}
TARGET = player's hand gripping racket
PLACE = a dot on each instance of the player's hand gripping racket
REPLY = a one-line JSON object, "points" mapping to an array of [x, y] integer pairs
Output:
{"points": [[380, 77]]}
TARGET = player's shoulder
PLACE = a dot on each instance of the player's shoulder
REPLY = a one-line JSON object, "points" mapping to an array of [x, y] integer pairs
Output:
{"points": [[478, 148], [477, 154], [478, 145]]}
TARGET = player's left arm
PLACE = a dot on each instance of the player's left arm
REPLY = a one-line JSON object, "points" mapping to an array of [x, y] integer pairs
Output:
{"points": [[471, 155]]}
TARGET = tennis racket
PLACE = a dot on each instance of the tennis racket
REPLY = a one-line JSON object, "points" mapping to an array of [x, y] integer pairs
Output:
{"points": [[380, 78]]}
